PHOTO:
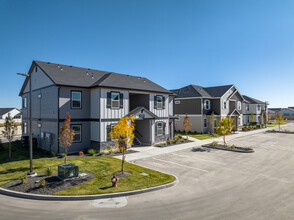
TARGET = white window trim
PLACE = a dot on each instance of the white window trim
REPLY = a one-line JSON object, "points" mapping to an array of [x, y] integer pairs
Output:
{"points": [[80, 133], [239, 105], [207, 104], [115, 101], [205, 122], [157, 124], [161, 102], [72, 99], [225, 104]]}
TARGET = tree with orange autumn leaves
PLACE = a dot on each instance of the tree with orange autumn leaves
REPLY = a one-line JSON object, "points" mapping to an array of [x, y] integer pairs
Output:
{"points": [[66, 136], [123, 135]]}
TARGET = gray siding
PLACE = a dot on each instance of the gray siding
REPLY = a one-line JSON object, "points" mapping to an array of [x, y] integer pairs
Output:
{"points": [[189, 106]]}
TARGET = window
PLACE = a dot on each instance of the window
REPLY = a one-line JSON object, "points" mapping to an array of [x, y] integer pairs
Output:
{"points": [[76, 99], [115, 100], [225, 104], [159, 100], [247, 107], [109, 128], [206, 104], [239, 105], [159, 128], [205, 122], [258, 107], [24, 127], [78, 133], [24, 102]]}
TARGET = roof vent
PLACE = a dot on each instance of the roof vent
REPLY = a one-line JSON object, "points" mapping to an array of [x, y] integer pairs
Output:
{"points": [[61, 68], [87, 73], [58, 66], [92, 76], [48, 62]]}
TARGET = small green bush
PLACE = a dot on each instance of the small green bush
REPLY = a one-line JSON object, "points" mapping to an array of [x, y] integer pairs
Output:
{"points": [[101, 153], [110, 151], [49, 171], [231, 146], [42, 183], [169, 142], [214, 143], [286, 130], [62, 155], [248, 148], [180, 136], [24, 180], [53, 154], [91, 152]]}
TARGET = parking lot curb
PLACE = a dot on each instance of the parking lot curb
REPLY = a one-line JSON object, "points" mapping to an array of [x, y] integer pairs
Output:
{"points": [[16, 194]]}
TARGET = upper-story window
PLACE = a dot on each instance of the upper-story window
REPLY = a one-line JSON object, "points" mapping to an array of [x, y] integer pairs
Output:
{"points": [[225, 104], [159, 102], [24, 102], [258, 107], [247, 107], [78, 133], [239, 105], [206, 104], [76, 99], [115, 100]]}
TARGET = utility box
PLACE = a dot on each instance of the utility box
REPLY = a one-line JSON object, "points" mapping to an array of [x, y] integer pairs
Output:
{"points": [[67, 171]]}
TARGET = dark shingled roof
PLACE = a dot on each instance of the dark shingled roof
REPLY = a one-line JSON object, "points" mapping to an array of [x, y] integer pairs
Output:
{"points": [[3, 111], [252, 100], [83, 77], [204, 92]]}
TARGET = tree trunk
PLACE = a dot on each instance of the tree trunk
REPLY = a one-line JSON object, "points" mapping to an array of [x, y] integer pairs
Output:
{"points": [[9, 149], [65, 158], [122, 162], [224, 137]]}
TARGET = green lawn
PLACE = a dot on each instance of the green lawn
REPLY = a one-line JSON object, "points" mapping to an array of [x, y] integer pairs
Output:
{"points": [[198, 136], [273, 124], [102, 167]]}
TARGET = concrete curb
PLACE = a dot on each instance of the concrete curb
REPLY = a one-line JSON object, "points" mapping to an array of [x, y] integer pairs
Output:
{"points": [[16, 194]]}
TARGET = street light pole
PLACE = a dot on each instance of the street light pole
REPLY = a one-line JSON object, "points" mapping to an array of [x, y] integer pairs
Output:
{"points": [[31, 122]]}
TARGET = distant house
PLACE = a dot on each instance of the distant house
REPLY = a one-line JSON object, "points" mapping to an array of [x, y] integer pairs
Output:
{"points": [[13, 113], [255, 107], [200, 102], [287, 113], [96, 100]]}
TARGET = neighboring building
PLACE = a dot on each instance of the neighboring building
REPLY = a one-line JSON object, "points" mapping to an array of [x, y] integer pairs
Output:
{"points": [[255, 107], [200, 102], [96, 100], [13, 113], [287, 113]]}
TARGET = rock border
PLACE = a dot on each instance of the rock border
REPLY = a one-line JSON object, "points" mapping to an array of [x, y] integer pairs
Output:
{"points": [[84, 197], [237, 149]]}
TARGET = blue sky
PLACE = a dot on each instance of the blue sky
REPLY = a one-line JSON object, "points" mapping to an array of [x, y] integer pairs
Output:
{"points": [[248, 43]]}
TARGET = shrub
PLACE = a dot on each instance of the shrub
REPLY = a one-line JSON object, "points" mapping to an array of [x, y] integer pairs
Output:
{"points": [[91, 152], [49, 171], [183, 141], [231, 146], [214, 143], [169, 142], [101, 153], [248, 148], [53, 154], [274, 130], [24, 180], [81, 153], [42, 183], [110, 151], [62, 155], [286, 130], [180, 136]]}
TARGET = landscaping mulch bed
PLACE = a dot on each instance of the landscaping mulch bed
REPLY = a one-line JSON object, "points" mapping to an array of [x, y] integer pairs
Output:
{"points": [[53, 185], [235, 149]]}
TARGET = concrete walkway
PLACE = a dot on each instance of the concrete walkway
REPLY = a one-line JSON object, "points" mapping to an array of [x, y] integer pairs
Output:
{"points": [[151, 151]]}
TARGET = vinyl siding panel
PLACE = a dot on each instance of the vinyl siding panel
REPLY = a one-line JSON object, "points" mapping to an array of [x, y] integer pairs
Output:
{"points": [[189, 106], [95, 103]]}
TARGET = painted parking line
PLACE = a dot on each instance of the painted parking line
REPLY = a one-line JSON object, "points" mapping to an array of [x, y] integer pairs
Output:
{"points": [[200, 159], [181, 165]]}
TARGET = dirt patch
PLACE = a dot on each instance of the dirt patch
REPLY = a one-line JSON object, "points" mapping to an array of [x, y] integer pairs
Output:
{"points": [[125, 174], [53, 184]]}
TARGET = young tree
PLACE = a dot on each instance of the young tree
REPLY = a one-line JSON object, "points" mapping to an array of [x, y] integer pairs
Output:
{"points": [[9, 131], [251, 118], [123, 135], [211, 122], [264, 115], [187, 124], [279, 119], [66, 136], [225, 127]]}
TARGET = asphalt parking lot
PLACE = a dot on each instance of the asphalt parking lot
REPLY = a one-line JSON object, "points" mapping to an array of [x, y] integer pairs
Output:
{"points": [[213, 184]]}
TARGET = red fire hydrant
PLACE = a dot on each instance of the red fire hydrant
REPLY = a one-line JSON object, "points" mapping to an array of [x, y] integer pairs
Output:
{"points": [[114, 181]]}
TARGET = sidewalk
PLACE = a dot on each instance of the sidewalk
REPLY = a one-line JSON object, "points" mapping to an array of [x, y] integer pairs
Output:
{"points": [[150, 151]]}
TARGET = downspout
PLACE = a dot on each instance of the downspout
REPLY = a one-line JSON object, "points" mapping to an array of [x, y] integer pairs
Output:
{"points": [[58, 148]]}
